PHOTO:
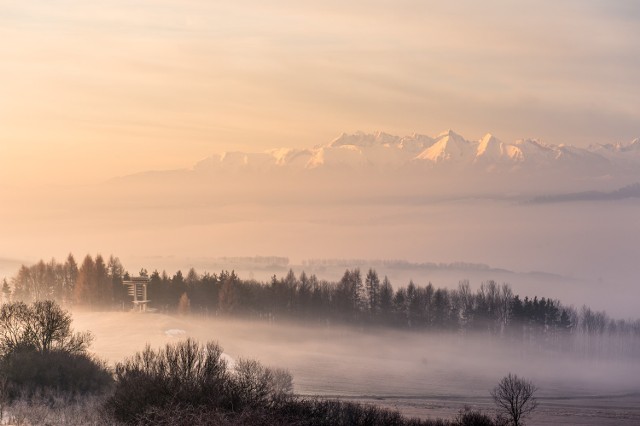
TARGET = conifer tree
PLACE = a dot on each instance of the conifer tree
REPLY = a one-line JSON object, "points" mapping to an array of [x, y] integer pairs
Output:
{"points": [[6, 291], [372, 287], [85, 287]]}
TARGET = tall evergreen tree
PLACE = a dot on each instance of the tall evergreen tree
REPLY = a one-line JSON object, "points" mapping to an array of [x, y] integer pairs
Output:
{"points": [[116, 273], [351, 295], [70, 278], [103, 286], [386, 299], [6, 291], [85, 287], [372, 287]]}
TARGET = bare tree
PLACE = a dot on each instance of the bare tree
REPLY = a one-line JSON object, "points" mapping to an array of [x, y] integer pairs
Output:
{"points": [[50, 329], [515, 398], [14, 327], [41, 327]]}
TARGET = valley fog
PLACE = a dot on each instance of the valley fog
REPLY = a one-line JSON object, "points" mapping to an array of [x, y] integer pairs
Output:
{"points": [[590, 247], [421, 374]]}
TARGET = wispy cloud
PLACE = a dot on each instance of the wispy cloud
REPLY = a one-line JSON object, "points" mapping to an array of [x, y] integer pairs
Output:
{"points": [[164, 83]]}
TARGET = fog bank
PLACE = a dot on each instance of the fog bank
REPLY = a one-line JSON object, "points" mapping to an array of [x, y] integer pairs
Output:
{"points": [[422, 374]]}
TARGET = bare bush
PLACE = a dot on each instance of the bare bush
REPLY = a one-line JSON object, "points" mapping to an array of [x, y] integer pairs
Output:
{"points": [[187, 374], [254, 385], [470, 417]]}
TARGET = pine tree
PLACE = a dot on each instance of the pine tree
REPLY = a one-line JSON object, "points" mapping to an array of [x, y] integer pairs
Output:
{"points": [[6, 291], [85, 287], [372, 287], [386, 299], [70, 278], [192, 277], [116, 272], [350, 293], [227, 296], [103, 288]]}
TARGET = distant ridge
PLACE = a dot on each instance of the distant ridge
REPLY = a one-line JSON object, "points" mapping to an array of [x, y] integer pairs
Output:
{"points": [[380, 167], [383, 150], [629, 191]]}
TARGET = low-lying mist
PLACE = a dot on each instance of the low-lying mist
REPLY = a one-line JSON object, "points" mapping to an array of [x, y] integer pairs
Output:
{"points": [[591, 242], [412, 371]]}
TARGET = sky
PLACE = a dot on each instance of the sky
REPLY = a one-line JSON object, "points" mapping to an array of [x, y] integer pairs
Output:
{"points": [[92, 90]]}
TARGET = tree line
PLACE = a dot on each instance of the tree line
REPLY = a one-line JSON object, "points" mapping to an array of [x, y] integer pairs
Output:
{"points": [[357, 298], [92, 284]]}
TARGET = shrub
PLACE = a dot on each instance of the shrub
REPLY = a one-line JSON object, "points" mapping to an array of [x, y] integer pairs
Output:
{"points": [[323, 412], [193, 377], [40, 353], [253, 385], [185, 373], [28, 373], [294, 412], [181, 415], [469, 417]]}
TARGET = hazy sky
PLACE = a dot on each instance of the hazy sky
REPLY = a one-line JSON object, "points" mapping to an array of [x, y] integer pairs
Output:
{"points": [[89, 90]]}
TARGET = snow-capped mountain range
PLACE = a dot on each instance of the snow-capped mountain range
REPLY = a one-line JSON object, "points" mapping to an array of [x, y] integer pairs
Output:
{"points": [[446, 150]]}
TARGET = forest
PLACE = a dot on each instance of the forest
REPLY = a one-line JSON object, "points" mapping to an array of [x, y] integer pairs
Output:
{"points": [[362, 299]]}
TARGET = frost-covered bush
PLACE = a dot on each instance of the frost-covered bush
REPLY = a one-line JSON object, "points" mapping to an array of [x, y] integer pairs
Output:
{"points": [[194, 377]]}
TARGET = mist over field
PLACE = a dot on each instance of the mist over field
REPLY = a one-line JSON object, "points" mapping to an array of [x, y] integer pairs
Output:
{"points": [[425, 375]]}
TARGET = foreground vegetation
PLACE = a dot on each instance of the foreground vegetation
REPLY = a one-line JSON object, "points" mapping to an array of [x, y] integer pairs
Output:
{"points": [[47, 376], [40, 353], [191, 384]]}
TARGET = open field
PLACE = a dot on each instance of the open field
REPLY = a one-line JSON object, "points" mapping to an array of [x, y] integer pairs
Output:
{"points": [[423, 375]]}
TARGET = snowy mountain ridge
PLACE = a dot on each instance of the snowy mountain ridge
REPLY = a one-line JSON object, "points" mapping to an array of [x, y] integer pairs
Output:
{"points": [[448, 149]]}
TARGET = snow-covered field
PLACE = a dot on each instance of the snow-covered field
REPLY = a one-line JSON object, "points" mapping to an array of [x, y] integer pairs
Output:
{"points": [[423, 375]]}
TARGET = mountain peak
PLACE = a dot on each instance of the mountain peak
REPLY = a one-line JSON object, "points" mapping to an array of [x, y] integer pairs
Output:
{"points": [[489, 147], [487, 138], [448, 146], [383, 150], [634, 145], [450, 134], [362, 139]]}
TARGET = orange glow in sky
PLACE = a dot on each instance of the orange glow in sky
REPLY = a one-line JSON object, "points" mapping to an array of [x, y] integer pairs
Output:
{"points": [[89, 91]]}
